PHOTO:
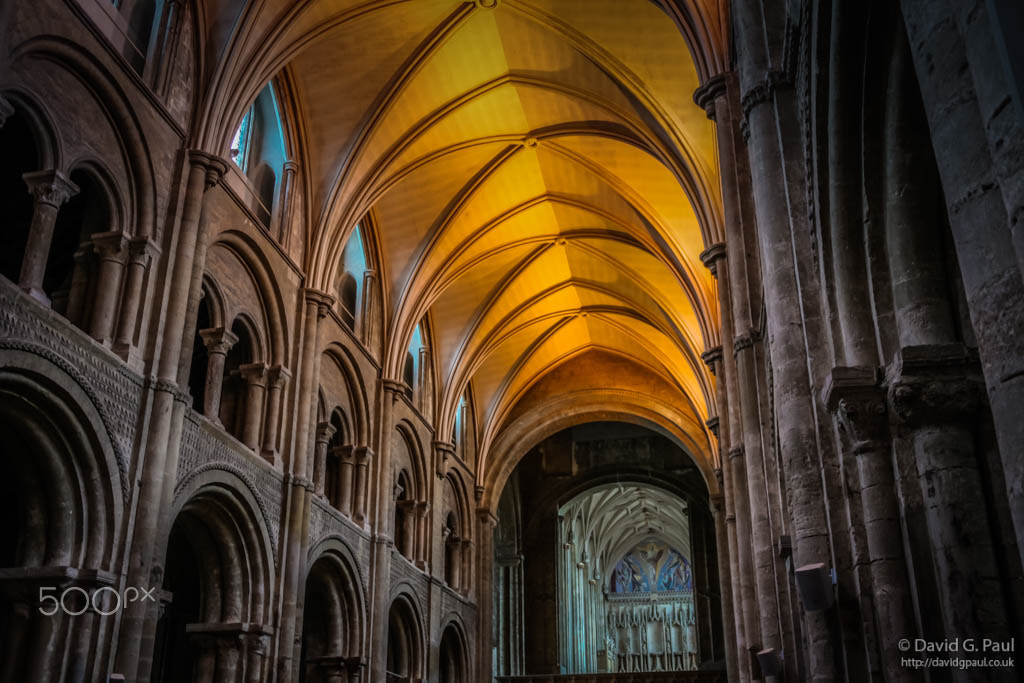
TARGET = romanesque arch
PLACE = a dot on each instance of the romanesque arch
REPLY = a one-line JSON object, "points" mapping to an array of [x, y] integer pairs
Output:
{"points": [[334, 616], [219, 576], [63, 501]]}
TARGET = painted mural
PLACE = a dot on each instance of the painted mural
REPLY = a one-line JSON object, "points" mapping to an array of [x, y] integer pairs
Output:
{"points": [[652, 567]]}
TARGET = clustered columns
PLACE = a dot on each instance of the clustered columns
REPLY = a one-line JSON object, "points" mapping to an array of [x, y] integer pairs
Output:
{"points": [[140, 255], [347, 491], [112, 249], [204, 172], [218, 341]]}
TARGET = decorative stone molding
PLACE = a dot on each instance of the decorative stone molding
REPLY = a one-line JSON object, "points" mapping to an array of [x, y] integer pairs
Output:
{"points": [[709, 91], [855, 397], [745, 341], [714, 424], [50, 187], [322, 300], [737, 452], [712, 255], [712, 357], [395, 387], [215, 166]]}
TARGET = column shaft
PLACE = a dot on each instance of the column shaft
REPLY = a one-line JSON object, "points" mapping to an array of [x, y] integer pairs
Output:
{"points": [[50, 189]]}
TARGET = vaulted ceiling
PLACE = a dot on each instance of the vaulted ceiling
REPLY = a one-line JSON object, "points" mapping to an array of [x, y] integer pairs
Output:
{"points": [[611, 520], [537, 178]]}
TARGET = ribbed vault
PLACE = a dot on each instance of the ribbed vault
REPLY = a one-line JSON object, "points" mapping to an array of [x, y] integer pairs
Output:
{"points": [[615, 518], [532, 173]]}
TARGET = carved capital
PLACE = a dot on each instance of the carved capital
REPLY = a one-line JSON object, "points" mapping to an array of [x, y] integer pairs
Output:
{"points": [[443, 451], [50, 187], [290, 166], [278, 377], [214, 166], [737, 452], [218, 339], [363, 454], [111, 246], [324, 432], [486, 517], [141, 250], [321, 300], [857, 400], [394, 387], [713, 423], [343, 453], [745, 341], [936, 384]]}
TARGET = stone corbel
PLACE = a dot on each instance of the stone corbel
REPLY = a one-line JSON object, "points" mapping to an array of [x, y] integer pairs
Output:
{"points": [[443, 452], [712, 357], [712, 255], [857, 400], [934, 384]]}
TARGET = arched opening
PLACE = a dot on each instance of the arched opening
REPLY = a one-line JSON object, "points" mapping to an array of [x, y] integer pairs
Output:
{"points": [[334, 487], [258, 149], [331, 622], [353, 269], [347, 292], [20, 156], [62, 516], [265, 180], [404, 516], [409, 374], [404, 652], [215, 581], [141, 16], [233, 392], [70, 278], [452, 550], [605, 557], [452, 667], [200, 355]]}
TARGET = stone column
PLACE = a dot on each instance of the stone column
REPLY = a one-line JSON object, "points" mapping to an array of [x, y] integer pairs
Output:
{"points": [[978, 181], [277, 379], [465, 561], [382, 542], [156, 481], [218, 342], [324, 432], [772, 175], [486, 523], [405, 518], [422, 534], [935, 394], [347, 463], [855, 397], [362, 463], [140, 255], [74, 311], [299, 489], [365, 321], [290, 169], [50, 190], [111, 248], [255, 376], [257, 654], [229, 656]]}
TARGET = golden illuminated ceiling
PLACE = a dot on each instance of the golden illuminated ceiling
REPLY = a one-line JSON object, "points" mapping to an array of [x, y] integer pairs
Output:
{"points": [[539, 182]]}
